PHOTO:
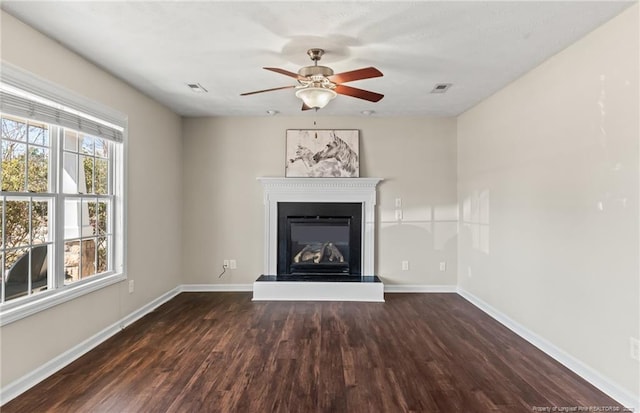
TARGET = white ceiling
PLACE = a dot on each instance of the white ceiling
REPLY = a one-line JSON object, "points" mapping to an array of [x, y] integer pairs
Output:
{"points": [[159, 47]]}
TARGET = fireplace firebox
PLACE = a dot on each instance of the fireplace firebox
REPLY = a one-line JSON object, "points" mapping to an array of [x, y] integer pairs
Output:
{"points": [[319, 238]]}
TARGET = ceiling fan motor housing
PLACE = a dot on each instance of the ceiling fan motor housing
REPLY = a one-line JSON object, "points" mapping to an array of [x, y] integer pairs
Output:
{"points": [[315, 71]]}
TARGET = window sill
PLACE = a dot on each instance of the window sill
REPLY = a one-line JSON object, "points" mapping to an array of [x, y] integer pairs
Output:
{"points": [[50, 299]]}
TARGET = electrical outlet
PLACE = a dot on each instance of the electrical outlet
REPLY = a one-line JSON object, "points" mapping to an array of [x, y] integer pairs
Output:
{"points": [[131, 286], [232, 264], [405, 265], [398, 202], [634, 348], [443, 266], [398, 214], [225, 263]]}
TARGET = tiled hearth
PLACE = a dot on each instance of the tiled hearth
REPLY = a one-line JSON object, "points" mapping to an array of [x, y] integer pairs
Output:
{"points": [[362, 287]]}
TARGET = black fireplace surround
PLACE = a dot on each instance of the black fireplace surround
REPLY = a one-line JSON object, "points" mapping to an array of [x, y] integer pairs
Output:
{"points": [[319, 238]]}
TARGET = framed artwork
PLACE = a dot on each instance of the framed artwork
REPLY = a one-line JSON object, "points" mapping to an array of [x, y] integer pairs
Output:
{"points": [[322, 153]]}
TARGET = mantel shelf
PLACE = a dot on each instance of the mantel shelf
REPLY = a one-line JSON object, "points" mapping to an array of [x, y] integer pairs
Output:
{"points": [[321, 184]]}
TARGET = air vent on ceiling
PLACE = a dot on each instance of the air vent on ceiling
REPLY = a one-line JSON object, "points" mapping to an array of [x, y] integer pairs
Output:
{"points": [[197, 87], [441, 87]]}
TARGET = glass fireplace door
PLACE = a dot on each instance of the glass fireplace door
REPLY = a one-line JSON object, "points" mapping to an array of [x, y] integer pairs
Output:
{"points": [[319, 245]]}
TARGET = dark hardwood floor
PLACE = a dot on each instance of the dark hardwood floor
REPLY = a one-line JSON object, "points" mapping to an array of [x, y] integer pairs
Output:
{"points": [[221, 352]]}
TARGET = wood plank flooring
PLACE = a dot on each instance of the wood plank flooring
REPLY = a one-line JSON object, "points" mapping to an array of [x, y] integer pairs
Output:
{"points": [[221, 352]]}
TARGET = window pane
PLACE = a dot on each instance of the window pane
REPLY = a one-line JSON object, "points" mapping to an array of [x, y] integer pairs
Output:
{"points": [[87, 144], [70, 173], [86, 185], [39, 222], [14, 163], [101, 148], [1, 223], [16, 268], [72, 218], [89, 218], [103, 216], [103, 255], [17, 222], [38, 169], [38, 134], [71, 261], [14, 129], [101, 176], [70, 140], [88, 257], [39, 267]]}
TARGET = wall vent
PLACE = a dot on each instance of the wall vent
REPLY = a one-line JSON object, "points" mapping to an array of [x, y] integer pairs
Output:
{"points": [[441, 87], [197, 87]]}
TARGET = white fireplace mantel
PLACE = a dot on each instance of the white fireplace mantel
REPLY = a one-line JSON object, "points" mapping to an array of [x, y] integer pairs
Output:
{"points": [[319, 190]]}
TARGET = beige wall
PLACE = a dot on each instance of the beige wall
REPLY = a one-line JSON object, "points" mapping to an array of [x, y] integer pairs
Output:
{"points": [[154, 215], [225, 213], [548, 175]]}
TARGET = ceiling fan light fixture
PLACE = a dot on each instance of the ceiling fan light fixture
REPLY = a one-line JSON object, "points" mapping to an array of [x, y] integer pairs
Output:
{"points": [[316, 97]]}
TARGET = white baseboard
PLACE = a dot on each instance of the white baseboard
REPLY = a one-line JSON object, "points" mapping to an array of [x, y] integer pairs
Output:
{"points": [[402, 288], [29, 380], [193, 288], [388, 288], [603, 383]]}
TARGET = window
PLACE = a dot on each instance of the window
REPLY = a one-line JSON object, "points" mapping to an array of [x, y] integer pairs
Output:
{"points": [[61, 204], [87, 200], [26, 204]]}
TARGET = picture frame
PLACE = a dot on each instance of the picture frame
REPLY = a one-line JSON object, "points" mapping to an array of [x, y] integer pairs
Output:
{"points": [[322, 153]]}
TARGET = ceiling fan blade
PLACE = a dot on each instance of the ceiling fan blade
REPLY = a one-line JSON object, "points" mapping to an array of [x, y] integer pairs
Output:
{"points": [[365, 73], [305, 107], [283, 72], [358, 93], [267, 90]]}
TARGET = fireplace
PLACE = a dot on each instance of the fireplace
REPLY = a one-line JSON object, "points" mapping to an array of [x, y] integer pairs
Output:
{"points": [[320, 238], [330, 217]]}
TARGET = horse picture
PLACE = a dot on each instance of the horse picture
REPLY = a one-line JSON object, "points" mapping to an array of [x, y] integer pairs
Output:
{"points": [[322, 153]]}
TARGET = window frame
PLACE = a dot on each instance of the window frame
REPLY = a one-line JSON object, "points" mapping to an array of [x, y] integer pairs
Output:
{"points": [[58, 292]]}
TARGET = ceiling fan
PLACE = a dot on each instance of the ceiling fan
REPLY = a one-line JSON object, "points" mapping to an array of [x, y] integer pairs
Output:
{"points": [[317, 85]]}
